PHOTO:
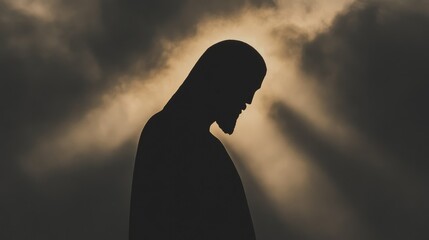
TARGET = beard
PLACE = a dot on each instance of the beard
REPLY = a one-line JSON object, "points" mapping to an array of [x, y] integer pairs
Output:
{"points": [[227, 122]]}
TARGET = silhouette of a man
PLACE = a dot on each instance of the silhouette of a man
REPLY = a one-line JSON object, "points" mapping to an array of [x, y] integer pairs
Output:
{"points": [[185, 185]]}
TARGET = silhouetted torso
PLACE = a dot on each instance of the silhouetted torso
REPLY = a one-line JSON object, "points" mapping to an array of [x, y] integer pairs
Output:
{"points": [[185, 185]]}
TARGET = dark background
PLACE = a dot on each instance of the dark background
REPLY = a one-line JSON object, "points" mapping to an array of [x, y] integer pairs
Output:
{"points": [[370, 64]]}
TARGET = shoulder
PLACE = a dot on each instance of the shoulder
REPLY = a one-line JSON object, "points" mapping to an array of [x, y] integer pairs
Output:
{"points": [[155, 126], [153, 123], [152, 134], [153, 143]]}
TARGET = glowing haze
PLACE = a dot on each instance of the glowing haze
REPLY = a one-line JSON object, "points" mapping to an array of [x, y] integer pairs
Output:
{"points": [[127, 86]]}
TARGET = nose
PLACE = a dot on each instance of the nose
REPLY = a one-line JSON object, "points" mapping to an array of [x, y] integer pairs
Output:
{"points": [[249, 98], [250, 95]]}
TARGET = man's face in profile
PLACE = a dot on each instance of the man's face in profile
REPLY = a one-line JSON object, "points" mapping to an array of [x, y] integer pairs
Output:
{"points": [[232, 101]]}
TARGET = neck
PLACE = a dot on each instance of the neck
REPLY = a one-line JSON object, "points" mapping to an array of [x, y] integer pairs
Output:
{"points": [[192, 113]]}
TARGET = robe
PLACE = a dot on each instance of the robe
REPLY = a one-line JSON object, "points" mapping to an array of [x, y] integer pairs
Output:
{"points": [[185, 185]]}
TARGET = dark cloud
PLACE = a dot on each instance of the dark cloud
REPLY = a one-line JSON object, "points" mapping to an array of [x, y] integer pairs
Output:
{"points": [[88, 201], [53, 69], [385, 202], [134, 27], [371, 66]]}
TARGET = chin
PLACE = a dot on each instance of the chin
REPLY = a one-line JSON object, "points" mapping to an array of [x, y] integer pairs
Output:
{"points": [[227, 125], [227, 130]]}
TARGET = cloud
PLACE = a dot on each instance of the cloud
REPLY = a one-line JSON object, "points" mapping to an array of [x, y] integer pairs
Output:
{"points": [[86, 201], [57, 57], [68, 67], [370, 68], [371, 64], [58, 60]]}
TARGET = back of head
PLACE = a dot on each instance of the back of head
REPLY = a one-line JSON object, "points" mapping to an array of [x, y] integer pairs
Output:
{"points": [[226, 64], [229, 64], [229, 57]]}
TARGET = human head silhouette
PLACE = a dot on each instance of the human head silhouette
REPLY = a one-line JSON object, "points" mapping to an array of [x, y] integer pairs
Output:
{"points": [[223, 81]]}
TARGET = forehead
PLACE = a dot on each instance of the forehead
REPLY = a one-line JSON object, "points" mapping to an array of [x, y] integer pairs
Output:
{"points": [[249, 78]]}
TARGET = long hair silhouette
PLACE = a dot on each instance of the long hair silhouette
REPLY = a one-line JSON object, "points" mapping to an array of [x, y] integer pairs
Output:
{"points": [[185, 185]]}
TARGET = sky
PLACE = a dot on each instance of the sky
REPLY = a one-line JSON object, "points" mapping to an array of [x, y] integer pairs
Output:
{"points": [[332, 147]]}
